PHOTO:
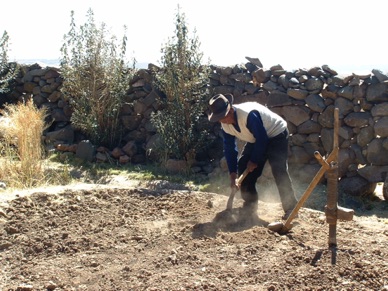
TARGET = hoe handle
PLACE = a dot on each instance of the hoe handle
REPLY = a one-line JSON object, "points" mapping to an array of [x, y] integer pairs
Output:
{"points": [[239, 180], [310, 188], [242, 177], [333, 157]]}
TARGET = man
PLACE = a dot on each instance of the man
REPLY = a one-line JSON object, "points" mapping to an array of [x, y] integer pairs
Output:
{"points": [[266, 137]]}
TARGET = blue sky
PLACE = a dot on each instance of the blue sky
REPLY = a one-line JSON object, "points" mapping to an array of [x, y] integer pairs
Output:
{"points": [[349, 36]]}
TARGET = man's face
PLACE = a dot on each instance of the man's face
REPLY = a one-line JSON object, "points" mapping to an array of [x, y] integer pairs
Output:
{"points": [[229, 118]]}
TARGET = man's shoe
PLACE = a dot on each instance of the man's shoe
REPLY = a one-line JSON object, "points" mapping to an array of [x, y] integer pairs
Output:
{"points": [[288, 213]]}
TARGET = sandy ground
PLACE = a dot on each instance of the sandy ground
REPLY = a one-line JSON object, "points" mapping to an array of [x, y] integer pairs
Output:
{"points": [[127, 236]]}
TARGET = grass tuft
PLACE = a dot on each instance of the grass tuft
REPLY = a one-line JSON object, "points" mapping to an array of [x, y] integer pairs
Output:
{"points": [[21, 146]]}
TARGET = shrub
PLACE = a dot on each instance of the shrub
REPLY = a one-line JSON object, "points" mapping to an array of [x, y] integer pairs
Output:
{"points": [[21, 146], [8, 70], [183, 79], [95, 80]]}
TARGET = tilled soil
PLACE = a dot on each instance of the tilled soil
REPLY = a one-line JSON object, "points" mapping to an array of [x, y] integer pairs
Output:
{"points": [[132, 238]]}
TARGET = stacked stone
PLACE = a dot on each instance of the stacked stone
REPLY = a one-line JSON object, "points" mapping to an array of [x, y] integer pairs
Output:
{"points": [[306, 98]]}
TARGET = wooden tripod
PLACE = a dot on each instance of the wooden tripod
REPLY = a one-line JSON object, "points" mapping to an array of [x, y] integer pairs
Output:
{"points": [[333, 212]]}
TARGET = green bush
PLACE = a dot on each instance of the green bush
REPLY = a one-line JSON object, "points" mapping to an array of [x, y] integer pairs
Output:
{"points": [[96, 79], [8, 70], [184, 81]]}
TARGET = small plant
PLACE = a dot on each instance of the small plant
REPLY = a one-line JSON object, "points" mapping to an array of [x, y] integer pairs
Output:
{"points": [[8, 71], [95, 80], [184, 81], [22, 151]]}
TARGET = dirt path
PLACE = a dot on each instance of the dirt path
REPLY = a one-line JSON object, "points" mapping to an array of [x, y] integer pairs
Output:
{"points": [[126, 237]]}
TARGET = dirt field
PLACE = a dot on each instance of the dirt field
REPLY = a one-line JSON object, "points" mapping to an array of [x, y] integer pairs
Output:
{"points": [[131, 237]]}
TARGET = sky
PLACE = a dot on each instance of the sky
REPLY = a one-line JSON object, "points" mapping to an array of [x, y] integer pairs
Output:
{"points": [[349, 36]]}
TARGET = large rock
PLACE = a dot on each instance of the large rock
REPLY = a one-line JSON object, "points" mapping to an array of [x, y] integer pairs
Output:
{"points": [[63, 135], [130, 148], [176, 166], [309, 127], [360, 158], [346, 157], [299, 155], [327, 69], [58, 115], [346, 92], [311, 148], [284, 81], [344, 105], [314, 85], [260, 76], [86, 151], [327, 137], [296, 114], [277, 98], [358, 119], [315, 102], [345, 132], [255, 61], [29, 87], [270, 86], [376, 153], [381, 127], [326, 118], [298, 139], [380, 75], [298, 94], [377, 93], [365, 136], [131, 122], [330, 91], [356, 186], [374, 174], [380, 109]]}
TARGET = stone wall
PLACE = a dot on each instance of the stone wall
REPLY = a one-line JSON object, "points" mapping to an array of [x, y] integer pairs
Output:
{"points": [[306, 98]]}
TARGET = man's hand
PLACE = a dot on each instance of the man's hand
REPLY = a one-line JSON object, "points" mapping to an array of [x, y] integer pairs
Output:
{"points": [[233, 177], [251, 166]]}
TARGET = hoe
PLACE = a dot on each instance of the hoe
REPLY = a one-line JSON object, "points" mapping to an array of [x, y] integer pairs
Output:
{"points": [[333, 212]]}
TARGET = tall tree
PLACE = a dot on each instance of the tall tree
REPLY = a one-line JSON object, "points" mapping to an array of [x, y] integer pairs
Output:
{"points": [[96, 79], [8, 71], [184, 80]]}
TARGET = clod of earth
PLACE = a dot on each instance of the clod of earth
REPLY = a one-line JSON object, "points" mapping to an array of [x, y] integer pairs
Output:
{"points": [[137, 239]]}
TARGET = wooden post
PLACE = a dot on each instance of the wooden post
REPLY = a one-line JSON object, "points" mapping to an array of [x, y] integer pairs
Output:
{"points": [[332, 211]]}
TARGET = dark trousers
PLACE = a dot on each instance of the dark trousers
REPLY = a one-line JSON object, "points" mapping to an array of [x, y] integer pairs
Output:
{"points": [[276, 155]]}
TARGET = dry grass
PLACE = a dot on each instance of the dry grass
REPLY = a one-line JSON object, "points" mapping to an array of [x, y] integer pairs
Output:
{"points": [[21, 149]]}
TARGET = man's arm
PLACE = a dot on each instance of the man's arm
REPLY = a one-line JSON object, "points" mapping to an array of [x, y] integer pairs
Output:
{"points": [[230, 152], [256, 127]]}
